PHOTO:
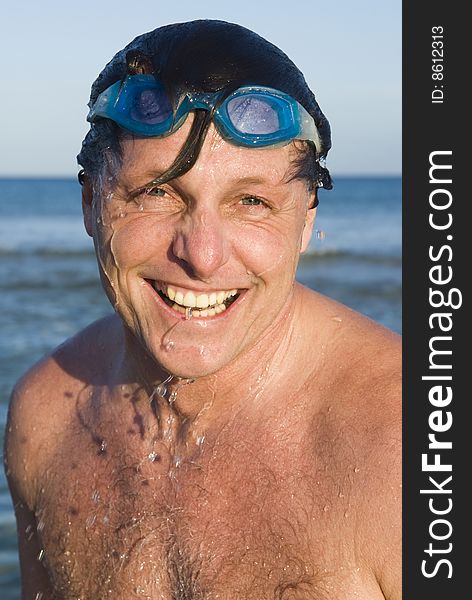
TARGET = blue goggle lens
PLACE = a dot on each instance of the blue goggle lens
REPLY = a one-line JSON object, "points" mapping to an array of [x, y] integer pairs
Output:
{"points": [[253, 115], [250, 116], [151, 107]]}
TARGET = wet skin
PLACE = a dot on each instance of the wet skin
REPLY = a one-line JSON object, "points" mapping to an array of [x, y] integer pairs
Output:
{"points": [[202, 232], [275, 474]]}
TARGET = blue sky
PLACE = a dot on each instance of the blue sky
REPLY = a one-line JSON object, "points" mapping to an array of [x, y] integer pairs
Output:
{"points": [[349, 51]]}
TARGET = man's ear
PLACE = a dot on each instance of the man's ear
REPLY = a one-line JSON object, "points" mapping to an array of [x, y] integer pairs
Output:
{"points": [[87, 201], [309, 221]]}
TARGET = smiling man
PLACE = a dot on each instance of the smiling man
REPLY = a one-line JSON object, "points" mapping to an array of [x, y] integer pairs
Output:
{"points": [[227, 433]]}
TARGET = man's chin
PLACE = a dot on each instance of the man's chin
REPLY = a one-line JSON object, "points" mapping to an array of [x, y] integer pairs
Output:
{"points": [[191, 362]]}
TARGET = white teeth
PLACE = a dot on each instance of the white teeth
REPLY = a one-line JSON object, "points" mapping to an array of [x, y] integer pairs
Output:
{"points": [[189, 300], [204, 304], [203, 301], [207, 312], [179, 298]]}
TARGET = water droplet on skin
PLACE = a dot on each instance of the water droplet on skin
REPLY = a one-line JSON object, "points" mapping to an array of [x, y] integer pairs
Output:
{"points": [[90, 521], [178, 383], [325, 508], [202, 351], [41, 554], [139, 590], [39, 596], [96, 496], [356, 469], [166, 338], [29, 533], [103, 446], [161, 390], [337, 319]]}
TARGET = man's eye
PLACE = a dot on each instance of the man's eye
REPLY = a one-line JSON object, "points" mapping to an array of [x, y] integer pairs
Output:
{"points": [[155, 191], [252, 201]]}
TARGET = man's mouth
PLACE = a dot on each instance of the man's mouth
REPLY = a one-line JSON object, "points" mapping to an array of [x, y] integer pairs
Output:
{"points": [[207, 304]]}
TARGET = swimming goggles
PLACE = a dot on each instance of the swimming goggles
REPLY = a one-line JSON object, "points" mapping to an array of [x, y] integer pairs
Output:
{"points": [[251, 116]]}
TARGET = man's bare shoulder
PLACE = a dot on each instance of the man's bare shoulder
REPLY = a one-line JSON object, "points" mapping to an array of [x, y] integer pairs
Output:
{"points": [[80, 359], [40, 406], [359, 423], [350, 340], [361, 374]]}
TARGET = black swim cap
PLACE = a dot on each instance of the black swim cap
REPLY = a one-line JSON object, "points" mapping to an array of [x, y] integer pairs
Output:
{"points": [[210, 56]]}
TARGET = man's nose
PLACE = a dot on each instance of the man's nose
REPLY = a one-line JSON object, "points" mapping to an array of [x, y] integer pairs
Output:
{"points": [[201, 243]]}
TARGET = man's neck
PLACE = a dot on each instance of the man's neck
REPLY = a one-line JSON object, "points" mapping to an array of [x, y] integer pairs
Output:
{"points": [[269, 370]]}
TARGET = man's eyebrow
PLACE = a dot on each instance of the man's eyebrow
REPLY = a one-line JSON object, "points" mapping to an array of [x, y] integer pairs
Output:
{"points": [[254, 180], [152, 174], [142, 179]]}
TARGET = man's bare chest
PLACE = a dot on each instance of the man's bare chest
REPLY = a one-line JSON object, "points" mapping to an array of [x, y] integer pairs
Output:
{"points": [[131, 521]]}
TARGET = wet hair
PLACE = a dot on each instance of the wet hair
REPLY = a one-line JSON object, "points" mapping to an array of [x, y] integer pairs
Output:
{"points": [[203, 56]]}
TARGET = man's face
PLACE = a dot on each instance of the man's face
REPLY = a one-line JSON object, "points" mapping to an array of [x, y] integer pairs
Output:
{"points": [[225, 238]]}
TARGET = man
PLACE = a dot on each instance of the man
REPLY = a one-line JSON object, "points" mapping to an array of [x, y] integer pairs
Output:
{"points": [[227, 433]]}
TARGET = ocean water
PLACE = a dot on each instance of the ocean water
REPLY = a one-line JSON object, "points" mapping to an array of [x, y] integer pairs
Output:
{"points": [[49, 287]]}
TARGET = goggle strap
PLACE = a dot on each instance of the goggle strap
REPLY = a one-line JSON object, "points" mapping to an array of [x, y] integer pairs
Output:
{"points": [[309, 131]]}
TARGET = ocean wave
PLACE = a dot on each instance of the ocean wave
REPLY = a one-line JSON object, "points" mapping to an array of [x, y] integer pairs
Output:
{"points": [[47, 284], [317, 256], [47, 251]]}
